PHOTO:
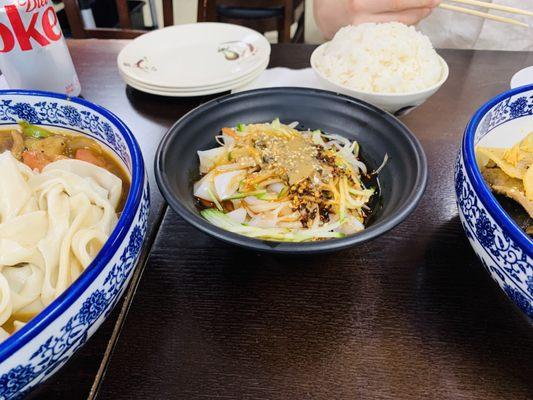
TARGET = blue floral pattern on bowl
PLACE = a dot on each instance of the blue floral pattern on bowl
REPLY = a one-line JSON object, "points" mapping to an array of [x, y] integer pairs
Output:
{"points": [[41, 347], [504, 249], [73, 117]]}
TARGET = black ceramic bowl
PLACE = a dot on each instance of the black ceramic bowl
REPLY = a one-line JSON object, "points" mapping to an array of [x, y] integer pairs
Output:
{"points": [[402, 181]]}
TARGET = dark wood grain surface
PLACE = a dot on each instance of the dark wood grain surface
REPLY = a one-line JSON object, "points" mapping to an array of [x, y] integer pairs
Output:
{"points": [[412, 315]]}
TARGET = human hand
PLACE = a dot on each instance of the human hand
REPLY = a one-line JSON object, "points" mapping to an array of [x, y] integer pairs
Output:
{"points": [[331, 15], [409, 12]]}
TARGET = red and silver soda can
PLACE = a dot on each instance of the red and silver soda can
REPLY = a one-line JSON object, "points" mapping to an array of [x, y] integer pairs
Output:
{"points": [[33, 52]]}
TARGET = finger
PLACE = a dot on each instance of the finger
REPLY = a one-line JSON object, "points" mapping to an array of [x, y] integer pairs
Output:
{"points": [[409, 17], [380, 6]]}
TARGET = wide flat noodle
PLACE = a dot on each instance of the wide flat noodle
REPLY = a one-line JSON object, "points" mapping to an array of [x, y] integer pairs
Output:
{"points": [[6, 306], [52, 225], [14, 192], [100, 176], [25, 283], [16, 229], [3, 334]]}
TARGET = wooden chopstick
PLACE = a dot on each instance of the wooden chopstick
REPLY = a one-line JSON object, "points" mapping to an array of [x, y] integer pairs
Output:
{"points": [[492, 6], [469, 11]]}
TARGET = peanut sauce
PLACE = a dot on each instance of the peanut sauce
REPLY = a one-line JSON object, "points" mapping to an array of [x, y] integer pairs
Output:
{"points": [[295, 154]]}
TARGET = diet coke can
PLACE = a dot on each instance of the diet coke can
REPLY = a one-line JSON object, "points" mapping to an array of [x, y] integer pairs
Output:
{"points": [[33, 52]]}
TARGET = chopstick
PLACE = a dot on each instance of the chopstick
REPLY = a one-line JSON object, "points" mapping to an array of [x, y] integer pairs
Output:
{"points": [[481, 14], [492, 6]]}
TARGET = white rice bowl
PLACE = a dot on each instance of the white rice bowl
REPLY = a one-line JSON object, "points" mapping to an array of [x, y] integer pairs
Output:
{"points": [[381, 58]]}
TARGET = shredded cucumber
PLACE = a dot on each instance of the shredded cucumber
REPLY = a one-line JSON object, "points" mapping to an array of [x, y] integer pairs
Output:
{"points": [[218, 218], [215, 200], [255, 193]]}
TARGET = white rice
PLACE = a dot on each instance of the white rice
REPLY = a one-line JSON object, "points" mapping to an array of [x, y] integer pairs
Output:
{"points": [[381, 58]]}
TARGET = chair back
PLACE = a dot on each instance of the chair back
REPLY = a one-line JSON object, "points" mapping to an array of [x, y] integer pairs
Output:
{"points": [[207, 8], [208, 12], [77, 27]]}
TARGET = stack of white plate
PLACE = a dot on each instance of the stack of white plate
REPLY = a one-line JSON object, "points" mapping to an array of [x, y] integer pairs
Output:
{"points": [[194, 59]]}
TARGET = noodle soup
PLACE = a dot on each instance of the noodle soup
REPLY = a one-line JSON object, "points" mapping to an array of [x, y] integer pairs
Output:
{"points": [[61, 194]]}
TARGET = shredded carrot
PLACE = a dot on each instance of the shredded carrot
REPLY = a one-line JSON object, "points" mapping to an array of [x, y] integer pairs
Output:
{"points": [[259, 178], [230, 132]]}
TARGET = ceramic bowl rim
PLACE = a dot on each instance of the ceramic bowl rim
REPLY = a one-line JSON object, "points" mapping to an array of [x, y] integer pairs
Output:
{"points": [[56, 308], [478, 183], [370, 233], [384, 95]]}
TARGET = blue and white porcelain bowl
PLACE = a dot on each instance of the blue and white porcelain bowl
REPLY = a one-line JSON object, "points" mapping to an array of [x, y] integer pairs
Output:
{"points": [[504, 249], [42, 346]]}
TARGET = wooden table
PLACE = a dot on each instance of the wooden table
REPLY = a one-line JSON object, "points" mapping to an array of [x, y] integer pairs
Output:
{"points": [[410, 315]]}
